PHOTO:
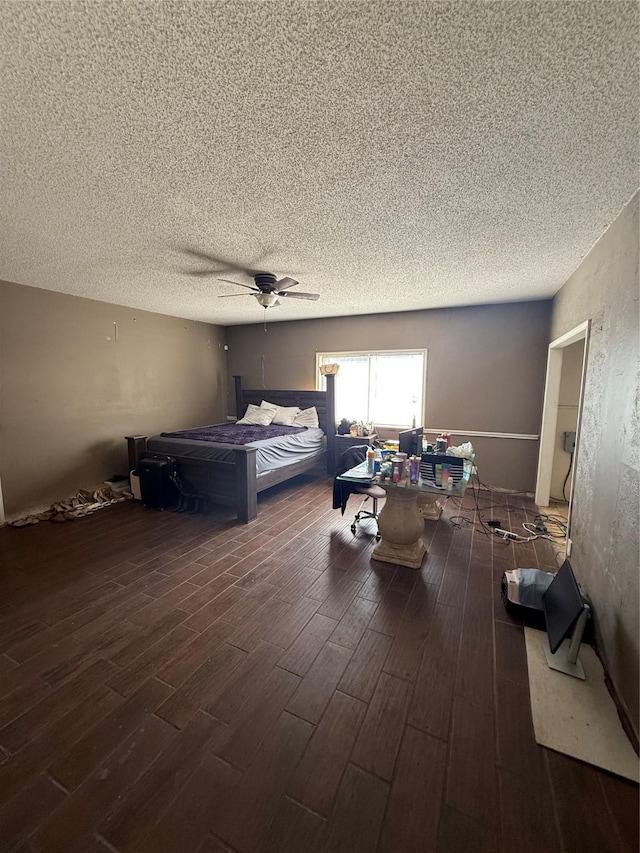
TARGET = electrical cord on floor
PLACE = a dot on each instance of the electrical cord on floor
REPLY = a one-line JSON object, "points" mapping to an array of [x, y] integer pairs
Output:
{"points": [[567, 477], [539, 529], [552, 521], [475, 491], [459, 520]]}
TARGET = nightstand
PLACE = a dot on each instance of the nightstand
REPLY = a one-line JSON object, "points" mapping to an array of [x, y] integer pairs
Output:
{"points": [[342, 442]]}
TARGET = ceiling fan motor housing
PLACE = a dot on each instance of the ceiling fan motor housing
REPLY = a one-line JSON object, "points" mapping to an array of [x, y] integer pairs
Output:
{"points": [[266, 281]]}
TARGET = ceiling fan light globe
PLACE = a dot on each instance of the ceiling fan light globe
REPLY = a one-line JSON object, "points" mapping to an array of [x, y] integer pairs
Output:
{"points": [[267, 300]]}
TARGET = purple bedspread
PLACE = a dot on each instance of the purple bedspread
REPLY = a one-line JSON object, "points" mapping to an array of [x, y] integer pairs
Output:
{"points": [[234, 433]]}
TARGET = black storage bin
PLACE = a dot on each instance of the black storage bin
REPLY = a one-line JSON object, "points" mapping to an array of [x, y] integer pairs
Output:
{"points": [[156, 487]]}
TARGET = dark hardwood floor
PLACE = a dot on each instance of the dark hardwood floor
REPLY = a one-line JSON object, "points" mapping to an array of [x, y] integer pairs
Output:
{"points": [[183, 683]]}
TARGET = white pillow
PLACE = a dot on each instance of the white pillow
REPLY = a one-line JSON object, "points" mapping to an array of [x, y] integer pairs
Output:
{"points": [[286, 415], [272, 407], [307, 418], [257, 416]]}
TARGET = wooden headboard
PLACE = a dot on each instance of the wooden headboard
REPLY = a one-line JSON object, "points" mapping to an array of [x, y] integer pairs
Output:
{"points": [[324, 401]]}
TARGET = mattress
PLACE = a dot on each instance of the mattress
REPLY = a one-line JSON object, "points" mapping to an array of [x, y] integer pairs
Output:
{"points": [[271, 453]]}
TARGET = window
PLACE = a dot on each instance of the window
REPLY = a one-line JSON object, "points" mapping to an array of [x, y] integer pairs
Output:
{"points": [[384, 388]]}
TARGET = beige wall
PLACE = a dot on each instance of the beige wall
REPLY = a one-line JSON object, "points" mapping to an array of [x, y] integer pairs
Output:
{"points": [[604, 525], [485, 370], [71, 389]]}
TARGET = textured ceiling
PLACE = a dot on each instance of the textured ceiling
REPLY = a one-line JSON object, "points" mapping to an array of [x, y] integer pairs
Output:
{"points": [[389, 155]]}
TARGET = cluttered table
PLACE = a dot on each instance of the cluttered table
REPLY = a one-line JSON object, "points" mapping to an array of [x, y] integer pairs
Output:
{"points": [[408, 504]]}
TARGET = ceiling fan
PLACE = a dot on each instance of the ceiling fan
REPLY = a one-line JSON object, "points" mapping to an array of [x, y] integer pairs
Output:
{"points": [[267, 289]]}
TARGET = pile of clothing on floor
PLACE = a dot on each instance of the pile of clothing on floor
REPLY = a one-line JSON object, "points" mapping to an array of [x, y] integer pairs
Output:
{"points": [[84, 502]]}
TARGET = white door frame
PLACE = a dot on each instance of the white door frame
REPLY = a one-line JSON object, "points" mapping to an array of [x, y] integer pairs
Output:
{"points": [[550, 412]]}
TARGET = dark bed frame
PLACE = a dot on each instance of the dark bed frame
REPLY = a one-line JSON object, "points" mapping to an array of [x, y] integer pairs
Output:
{"points": [[234, 483]]}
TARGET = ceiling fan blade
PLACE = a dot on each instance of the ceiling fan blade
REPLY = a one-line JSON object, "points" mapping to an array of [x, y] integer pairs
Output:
{"points": [[231, 295], [239, 283], [286, 282], [310, 296]]}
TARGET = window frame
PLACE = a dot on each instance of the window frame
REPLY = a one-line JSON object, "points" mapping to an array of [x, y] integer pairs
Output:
{"points": [[321, 382]]}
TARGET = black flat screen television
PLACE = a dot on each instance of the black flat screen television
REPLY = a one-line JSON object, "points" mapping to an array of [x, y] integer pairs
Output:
{"points": [[410, 441], [563, 605]]}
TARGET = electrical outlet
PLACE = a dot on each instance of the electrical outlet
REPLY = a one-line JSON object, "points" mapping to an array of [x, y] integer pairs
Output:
{"points": [[569, 546], [569, 441]]}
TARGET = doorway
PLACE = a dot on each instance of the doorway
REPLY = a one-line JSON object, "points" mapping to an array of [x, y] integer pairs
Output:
{"points": [[564, 390]]}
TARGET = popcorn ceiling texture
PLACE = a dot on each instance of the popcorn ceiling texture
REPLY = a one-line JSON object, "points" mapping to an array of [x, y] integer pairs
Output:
{"points": [[389, 155]]}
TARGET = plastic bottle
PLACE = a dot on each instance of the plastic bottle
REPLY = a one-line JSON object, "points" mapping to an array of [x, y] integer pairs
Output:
{"points": [[371, 460]]}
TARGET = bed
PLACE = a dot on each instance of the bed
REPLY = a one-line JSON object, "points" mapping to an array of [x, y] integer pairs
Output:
{"points": [[233, 474]]}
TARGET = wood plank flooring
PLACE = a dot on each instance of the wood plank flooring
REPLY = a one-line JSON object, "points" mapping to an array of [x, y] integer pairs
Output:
{"points": [[186, 684]]}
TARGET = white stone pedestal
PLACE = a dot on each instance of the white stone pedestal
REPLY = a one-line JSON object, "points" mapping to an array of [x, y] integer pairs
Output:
{"points": [[401, 526], [429, 507]]}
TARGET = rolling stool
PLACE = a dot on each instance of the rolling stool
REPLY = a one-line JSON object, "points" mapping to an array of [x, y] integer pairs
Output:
{"points": [[373, 492]]}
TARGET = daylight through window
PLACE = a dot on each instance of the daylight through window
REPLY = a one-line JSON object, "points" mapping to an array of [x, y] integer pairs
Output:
{"points": [[385, 388]]}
